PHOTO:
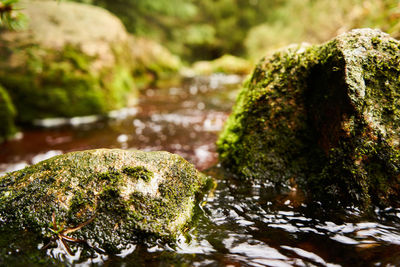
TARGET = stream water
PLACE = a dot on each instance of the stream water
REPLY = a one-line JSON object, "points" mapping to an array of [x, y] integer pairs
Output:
{"points": [[240, 224]]}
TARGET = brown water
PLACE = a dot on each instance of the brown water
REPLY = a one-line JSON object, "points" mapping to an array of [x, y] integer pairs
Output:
{"points": [[240, 224], [180, 120]]}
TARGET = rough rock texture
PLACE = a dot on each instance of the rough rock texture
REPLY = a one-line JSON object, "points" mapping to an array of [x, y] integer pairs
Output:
{"points": [[132, 194], [7, 116], [325, 118], [73, 59]]}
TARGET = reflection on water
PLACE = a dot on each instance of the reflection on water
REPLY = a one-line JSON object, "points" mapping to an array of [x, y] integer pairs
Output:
{"points": [[249, 229], [239, 224]]}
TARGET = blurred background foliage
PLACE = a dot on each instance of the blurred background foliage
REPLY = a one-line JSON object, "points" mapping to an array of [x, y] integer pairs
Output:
{"points": [[9, 15], [208, 29]]}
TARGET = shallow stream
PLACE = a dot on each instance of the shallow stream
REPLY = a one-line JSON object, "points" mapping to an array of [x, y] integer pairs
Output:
{"points": [[240, 224]]}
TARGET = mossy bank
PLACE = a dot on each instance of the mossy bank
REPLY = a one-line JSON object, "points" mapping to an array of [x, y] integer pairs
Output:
{"points": [[325, 118], [71, 60], [131, 194]]}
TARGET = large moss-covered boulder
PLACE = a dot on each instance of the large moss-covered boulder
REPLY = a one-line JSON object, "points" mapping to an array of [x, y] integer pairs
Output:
{"points": [[131, 194], [72, 59], [7, 116], [323, 118]]}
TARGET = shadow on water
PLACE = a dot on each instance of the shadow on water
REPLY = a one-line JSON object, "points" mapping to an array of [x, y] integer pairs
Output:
{"points": [[239, 224]]}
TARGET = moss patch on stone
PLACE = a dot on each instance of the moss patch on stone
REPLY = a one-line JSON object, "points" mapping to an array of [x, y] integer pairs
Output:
{"points": [[56, 69], [61, 84], [139, 172], [325, 116], [132, 194]]}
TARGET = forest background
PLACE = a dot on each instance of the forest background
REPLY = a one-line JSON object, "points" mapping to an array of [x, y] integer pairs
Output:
{"points": [[207, 29]]}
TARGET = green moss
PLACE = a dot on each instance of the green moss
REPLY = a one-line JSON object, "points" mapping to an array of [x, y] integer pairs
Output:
{"points": [[7, 116], [139, 172], [83, 63], [63, 84], [152, 63], [66, 71], [112, 176], [326, 116], [226, 64], [244, 137], [78, 185], [81, 203]]}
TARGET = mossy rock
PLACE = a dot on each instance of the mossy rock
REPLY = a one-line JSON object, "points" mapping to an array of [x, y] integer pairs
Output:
{"points": [[152, 63], [71, 60], [226, 64], [131, 194], [7, 116], [325, 118]]}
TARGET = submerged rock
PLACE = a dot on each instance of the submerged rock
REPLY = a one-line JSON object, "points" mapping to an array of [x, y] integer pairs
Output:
{"points": [[325, 118], [7, 116], [71, 60], [131, 194]]}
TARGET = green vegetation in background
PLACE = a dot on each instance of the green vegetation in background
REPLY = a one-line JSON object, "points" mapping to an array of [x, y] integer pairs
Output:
{"points": [[152, 64], [10, 17], [208, 29], [7, 116], [310, 21], [226, 64], [195, 30]]}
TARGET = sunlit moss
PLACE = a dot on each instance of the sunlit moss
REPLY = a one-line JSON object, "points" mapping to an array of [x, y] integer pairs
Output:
{"points": [[62, 84], [226, 64]]}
